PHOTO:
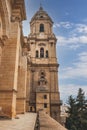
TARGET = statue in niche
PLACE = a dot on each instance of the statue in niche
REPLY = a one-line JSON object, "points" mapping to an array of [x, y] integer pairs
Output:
{"points": [[42, 81]]}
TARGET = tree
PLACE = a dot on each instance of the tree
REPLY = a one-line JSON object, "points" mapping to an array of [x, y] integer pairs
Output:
{"points": [[82, 110], [77, 112], [72, 112]]}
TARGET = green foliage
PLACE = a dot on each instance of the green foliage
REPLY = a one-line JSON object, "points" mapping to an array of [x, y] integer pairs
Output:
{"points": [[77, 112]]}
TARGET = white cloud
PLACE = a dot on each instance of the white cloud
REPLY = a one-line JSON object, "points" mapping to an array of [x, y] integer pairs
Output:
{"points": [[73, 41], [75, 36], [64, 40], [76, 27], [71, 89], [56, 25], [83, 39], [66, 25], [80, 28], [78, 69], [83, 57]]}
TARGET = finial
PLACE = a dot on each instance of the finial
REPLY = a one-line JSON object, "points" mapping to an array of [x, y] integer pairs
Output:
{"points": [[41, 8]]}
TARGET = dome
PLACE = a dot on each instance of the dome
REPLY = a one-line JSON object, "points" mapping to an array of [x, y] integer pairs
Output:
{"points": [[41, 15]]}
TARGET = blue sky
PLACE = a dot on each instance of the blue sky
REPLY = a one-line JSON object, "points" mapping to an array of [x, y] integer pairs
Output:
{"points": [[70, 28]]}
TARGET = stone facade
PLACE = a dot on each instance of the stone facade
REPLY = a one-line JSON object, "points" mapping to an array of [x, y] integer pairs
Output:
{"points": [[43, 66], [12, 13]]}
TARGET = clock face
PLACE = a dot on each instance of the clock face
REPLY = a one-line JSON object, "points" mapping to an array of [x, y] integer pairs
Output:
{"points": [[41, 35]]}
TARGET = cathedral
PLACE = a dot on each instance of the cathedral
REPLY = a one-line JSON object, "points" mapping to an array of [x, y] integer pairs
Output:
{"points": [[28, 65]]}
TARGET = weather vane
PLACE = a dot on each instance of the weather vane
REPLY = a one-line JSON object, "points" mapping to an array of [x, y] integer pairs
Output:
{"points": [[40, 3], [41, 8]]}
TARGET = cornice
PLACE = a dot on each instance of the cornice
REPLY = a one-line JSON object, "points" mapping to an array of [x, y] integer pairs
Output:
{"points": [[18, 10], [8, 91], [44, 65]]}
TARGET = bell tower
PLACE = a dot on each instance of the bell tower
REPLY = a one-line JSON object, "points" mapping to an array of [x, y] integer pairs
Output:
{"points": [[43, 66]]}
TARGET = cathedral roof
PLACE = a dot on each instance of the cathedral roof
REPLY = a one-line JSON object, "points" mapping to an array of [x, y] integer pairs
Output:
{"points": [[41, 15]]}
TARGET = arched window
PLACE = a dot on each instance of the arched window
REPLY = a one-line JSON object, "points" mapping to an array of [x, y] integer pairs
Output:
{"points": [[41, 27], [37, 55], [41, 52], [47, 54]]}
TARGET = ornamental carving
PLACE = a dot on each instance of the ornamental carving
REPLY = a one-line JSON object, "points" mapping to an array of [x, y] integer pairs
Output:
{"points": [[41, 44], [15, 18], [2, 40]]}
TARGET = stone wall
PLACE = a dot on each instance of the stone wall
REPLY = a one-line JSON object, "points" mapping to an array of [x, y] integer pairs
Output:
{"points": [[8, 78], [11, 17]]}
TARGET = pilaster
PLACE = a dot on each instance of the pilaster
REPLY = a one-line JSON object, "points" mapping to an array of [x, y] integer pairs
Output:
{"points": [[21, 86]]}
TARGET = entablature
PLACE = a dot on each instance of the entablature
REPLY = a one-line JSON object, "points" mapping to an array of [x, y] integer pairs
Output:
{"points": [[49, 39]]}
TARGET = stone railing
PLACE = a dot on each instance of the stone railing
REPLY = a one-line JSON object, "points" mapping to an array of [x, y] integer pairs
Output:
{"points": [[48, 123], [37, 124]]}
